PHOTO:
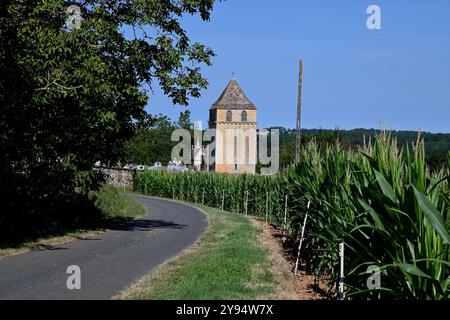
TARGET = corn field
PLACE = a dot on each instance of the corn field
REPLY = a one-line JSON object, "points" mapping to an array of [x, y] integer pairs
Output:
{"points": [[383, 203]]}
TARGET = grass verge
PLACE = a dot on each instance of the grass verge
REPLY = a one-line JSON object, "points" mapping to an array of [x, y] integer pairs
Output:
{"points": [[227, 262], [106, 207], [116, 205]]}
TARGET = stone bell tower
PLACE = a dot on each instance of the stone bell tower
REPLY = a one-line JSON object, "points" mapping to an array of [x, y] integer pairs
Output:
{"points": [[233, 116]]}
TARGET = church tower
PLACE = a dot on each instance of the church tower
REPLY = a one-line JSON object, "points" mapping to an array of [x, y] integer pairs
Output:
{"points": [[233, 116]]}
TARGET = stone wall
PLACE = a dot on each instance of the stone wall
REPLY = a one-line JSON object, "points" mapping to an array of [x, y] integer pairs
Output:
{"points": [[119, 178]]}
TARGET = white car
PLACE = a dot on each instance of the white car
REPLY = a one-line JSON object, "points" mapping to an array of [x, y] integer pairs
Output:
{"points": [[155, 166], [176, 167]]}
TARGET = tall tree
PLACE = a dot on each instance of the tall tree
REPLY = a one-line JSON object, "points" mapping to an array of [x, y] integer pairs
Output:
{"points": [[151, 144], [184, 120], [72, 96]]}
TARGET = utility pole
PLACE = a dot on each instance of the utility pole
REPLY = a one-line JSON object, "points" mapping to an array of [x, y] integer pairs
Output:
{"points": [[299, 112]]}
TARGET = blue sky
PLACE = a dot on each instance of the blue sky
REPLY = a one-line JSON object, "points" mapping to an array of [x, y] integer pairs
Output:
{"points": [[353, 77]]}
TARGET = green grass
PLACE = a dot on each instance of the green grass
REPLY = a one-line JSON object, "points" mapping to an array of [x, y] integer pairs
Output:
{"points": [[105, 207], [227, 263], [115, 204]]}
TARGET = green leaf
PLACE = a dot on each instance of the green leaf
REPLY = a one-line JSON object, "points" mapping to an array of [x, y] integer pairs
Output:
{"points": [[388, 191], [374, 215], [411, 249], [433, 215], [447, 263], [412, 269]]}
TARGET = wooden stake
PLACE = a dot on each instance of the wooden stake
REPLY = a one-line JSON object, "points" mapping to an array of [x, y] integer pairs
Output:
{"points": [[285, 220], [285, 210], [301, 239], [341, 271], [223, 198], [246, 202], [299, 112], [267, 207]]}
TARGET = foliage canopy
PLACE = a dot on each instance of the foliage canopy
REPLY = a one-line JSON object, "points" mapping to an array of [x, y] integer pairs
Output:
{"points": [[71, 96]]}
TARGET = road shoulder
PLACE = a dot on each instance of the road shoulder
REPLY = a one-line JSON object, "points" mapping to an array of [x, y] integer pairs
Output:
{"points": [[227, 262]]}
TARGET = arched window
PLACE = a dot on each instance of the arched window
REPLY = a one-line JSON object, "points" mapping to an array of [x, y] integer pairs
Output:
{"points": [[244, 116], [229, 116]]}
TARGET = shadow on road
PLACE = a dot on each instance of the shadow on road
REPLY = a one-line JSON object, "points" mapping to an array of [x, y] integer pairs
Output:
{"points": [[146, 225], [42, 247], [132, 225]]}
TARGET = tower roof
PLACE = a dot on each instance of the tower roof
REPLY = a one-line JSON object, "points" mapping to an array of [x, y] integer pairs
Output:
{"points": [[233, 98]]}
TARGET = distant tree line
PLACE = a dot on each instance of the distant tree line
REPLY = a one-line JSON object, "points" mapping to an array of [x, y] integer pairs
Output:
{"points": [[437, 145], [153, 143]]}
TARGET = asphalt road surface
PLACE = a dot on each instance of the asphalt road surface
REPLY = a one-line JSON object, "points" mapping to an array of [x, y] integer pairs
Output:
{"points": [[109, 262]]}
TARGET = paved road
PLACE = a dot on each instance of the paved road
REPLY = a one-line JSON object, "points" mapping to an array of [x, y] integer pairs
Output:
{"points": [[109, 262]]}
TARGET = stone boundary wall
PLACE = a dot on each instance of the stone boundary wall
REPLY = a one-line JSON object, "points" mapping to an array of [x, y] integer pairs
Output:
{"points": [[118, 178]]}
